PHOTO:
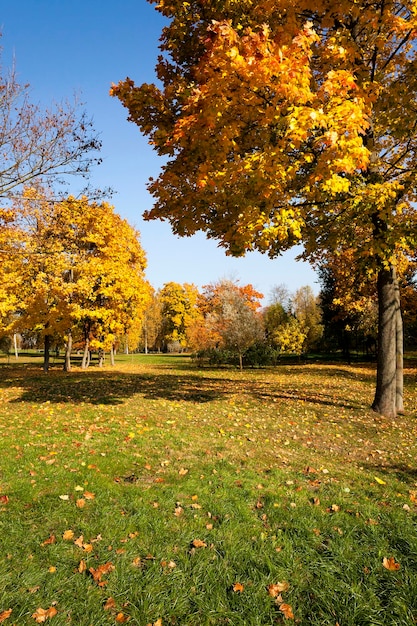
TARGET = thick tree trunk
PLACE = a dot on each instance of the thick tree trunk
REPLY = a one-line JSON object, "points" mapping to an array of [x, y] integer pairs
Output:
{"points": [[46, 352], [388, 394], [68, 349]]}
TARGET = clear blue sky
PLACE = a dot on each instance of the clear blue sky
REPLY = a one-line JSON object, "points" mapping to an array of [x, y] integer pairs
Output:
{"points": [[67, 47]]}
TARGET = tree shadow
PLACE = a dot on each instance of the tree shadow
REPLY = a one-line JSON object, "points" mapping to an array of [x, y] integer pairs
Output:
{"points": [[188, 385], [401, 471]]}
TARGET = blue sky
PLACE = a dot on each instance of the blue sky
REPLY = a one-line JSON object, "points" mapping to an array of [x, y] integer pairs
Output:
{"points": [[64, 48]]}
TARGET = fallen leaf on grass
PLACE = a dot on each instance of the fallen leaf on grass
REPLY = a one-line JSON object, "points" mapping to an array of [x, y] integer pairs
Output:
{"points": [[41, 615], [109, 604], [121, 618], [68, 535], [275, 589], [238, 587], [49, 541], [80, 504], [101, 571], [88, 495], [391, 564], [4, 499], [5, 615], [82, 566], [198, 543], [380, 481], [287, 610]]}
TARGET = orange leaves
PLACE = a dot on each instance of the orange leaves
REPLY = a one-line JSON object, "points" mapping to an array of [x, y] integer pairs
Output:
{"points": [[5, 615], [275, 591], [391, 564], [41, 615], [238, 587], [99, 572]]}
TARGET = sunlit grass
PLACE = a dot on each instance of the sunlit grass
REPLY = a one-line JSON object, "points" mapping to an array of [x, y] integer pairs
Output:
{"points": [[189, 481]]}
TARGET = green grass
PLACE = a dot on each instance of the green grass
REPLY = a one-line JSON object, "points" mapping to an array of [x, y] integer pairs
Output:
{"points": [[194, 480]]}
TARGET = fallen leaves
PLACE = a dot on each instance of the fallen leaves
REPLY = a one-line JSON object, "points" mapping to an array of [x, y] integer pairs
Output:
{"points": [[41, 615], [100, 571], [275, 590]]}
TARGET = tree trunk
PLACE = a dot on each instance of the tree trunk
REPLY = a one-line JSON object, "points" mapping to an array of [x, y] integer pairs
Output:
{"points": [[112, 353], [46, 349], [16, 352], [86, 356], [388, 393], [68, 349], [399, 353]]}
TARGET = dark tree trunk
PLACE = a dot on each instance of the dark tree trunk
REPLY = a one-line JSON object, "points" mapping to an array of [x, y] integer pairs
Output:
{"points": [[46, 352], [388, 394]]}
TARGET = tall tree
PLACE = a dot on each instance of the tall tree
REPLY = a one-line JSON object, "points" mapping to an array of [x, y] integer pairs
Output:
{"points": [[178, 310], [285, 122]]}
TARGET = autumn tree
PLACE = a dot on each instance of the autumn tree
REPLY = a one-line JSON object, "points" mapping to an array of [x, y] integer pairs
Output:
{"points": [[228, 318], [291, 122], [306, 310], [81, 269], [178, 310]]}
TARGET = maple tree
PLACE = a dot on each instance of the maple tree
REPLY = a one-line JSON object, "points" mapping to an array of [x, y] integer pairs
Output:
{"points": [[285, 123]]}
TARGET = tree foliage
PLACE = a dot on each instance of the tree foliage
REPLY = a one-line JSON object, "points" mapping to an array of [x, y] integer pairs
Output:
{"points": [[80, 269]]}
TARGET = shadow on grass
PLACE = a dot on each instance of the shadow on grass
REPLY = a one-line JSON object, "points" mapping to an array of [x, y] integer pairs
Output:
{"points": [[186, 385], [402, 472]]}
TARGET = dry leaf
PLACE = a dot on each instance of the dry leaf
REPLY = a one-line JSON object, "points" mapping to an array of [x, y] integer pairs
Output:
{"points": [[82, 566], [109, 604], [80, 503], [101, 571], [41, 615], [183, 471], [287, 610], [5, 615], [88, 495], [68, 535], [49, 541], [197, 543], [238, 587], [275, 589], [391, 564], [380, 481], [121, 618]]}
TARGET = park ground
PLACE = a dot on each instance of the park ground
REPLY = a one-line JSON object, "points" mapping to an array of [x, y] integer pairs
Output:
{"points": [[161, 493]]}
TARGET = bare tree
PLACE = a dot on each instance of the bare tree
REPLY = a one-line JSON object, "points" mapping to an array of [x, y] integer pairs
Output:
{"points": [[37, 143]]}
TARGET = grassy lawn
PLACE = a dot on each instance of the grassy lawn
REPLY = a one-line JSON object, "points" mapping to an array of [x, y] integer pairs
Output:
{"points": [[158, 493]]}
